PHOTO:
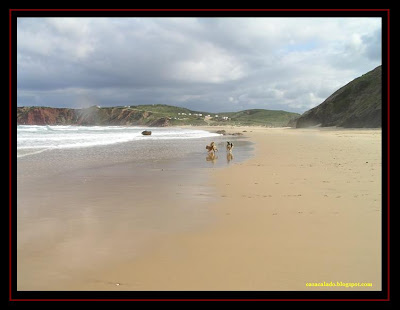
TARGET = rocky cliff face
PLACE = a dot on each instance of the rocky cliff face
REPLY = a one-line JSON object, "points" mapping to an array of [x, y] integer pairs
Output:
{"points": [[91, 116], [43, 116], [356, 105]]}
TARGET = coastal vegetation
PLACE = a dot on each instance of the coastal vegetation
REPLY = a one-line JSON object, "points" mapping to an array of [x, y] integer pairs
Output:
{"points": [[358, 104], [158, 115]]}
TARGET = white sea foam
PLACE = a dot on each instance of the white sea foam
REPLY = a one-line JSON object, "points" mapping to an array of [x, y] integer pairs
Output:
{"points": [[32, 139]]}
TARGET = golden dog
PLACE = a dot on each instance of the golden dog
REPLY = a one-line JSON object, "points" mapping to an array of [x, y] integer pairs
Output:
{"points": [[211, 147]]}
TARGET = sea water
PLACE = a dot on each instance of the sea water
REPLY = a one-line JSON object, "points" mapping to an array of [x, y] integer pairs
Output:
{"points": [[33, 139]]}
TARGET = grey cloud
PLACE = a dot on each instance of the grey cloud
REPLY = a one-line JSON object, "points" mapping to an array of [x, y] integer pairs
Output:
{"points": [[215, 64], [373, 48]]}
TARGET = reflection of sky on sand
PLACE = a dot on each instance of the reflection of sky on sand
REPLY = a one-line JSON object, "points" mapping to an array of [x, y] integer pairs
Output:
{"points": [[80, 209]]}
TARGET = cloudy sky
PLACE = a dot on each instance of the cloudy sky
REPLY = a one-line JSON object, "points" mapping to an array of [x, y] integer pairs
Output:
{"points": [[206, 64]]}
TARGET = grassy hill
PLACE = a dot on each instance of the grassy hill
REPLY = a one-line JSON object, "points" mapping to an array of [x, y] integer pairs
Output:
{"points": [[260, 117], [182, 116], [357, 104], [150, 115]]}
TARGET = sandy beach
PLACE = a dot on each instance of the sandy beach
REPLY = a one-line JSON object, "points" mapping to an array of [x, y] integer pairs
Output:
{"points": [[306, 208]]}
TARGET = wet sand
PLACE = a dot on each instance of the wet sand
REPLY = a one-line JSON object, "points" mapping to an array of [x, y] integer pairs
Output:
{"points": [[306, 208], [80, 211]]}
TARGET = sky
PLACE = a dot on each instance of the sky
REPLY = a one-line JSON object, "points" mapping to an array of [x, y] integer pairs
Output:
{"points": [[204, 64]]}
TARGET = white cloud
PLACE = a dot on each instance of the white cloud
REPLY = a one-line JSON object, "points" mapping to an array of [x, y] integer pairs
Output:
{"points": [[208, 64], [64, 38]]}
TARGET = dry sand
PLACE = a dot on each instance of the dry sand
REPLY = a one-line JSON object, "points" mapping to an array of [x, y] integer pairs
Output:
{"points": [[306, 208]]}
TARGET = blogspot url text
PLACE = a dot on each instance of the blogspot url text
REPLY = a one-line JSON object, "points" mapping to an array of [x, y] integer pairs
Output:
{"points": [[339, 284]]}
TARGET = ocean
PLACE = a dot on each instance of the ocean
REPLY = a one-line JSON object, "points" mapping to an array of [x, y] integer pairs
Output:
{"points": [[50, 149], [33, 139]]}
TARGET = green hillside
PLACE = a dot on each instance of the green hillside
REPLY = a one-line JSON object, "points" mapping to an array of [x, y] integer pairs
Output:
{"points": [[261, 117], [158, 115], [255, 117], [357, 104]]}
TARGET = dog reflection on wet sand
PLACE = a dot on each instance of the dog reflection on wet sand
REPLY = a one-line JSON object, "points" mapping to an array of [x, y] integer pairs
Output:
{"points": [[211, 157]]}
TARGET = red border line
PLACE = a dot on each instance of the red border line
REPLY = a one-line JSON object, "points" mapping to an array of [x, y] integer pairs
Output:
{"points": [[193, 299], [183, 10], [388, 151], [205, 10], [10, 151]]}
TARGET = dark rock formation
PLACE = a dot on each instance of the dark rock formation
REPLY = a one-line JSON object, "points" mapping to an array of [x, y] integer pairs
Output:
{"points": [[224, 133]]}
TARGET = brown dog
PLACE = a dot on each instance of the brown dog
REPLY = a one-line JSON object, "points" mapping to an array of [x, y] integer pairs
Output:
{"points": [[211, 147]]}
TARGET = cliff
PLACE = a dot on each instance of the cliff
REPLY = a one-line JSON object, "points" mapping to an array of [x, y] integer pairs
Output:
{"points": [[148, 115], [116, 116], [356, 105]]}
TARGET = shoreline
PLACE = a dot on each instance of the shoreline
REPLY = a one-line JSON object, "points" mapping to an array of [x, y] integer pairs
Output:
{"points": [[305, 209], [80, 210]]}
